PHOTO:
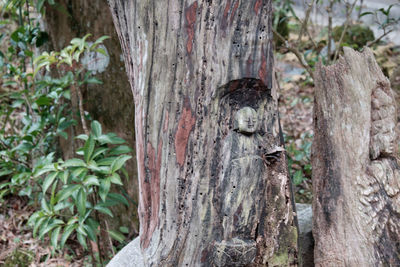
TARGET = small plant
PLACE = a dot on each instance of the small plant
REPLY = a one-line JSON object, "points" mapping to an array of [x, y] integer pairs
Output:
{"points": [[75, 191], [299, 162], [34, 118]]}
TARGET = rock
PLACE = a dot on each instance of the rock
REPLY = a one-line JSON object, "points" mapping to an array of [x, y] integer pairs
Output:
{"points": [[306, 240], [129, 256]]}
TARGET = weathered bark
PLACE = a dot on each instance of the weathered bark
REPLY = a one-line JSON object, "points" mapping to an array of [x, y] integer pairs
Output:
{"points": [[111, 102], [214, 188], [356, 175]]}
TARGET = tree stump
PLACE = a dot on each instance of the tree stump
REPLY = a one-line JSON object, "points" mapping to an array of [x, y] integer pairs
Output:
{"points": [[356, 174]]}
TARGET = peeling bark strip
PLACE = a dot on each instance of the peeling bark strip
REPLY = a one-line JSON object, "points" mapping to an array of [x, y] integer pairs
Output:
{"points": [[214, 188], [356, 174]]}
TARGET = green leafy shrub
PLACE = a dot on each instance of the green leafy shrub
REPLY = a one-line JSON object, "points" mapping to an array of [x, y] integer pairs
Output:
{"points": [[299, 162], [40, 99], [355, 36], [75, 190], [36, 111]]}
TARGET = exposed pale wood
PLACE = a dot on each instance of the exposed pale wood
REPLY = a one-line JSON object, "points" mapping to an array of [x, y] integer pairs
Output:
{"points": [[356, 175], [214, 188]]}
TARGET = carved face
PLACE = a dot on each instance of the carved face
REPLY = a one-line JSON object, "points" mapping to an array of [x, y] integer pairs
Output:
{"points": [[246, 120]]}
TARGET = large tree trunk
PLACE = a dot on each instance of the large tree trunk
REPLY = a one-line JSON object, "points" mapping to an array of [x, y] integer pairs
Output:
{"points": [[214, 187], [356, 176], [75, 18]]}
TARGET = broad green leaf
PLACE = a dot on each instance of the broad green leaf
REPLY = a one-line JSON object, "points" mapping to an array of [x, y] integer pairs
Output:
{"points": [[81, 202], [74, 163], [72, 220], [67, 232], [92, 165], [88, 148], [106, 161], [91, 180], [117, 236], [82, 240], [64, 176], [120, 150], [63, 205], [66, 192], [124, 230], [79, 172], [119, 198], [34, 217], [50, 226], [49, 180], [99, 151], [45, 206], [93, 80], [96, 128], [104, 188], [93, 223], [81, 230], [5, 172], [53, 195], [54, 236], [39, 5], [41, 221], [90, 232], [104, 210], [110, 138], [101, 39], [115, 179], [82, 137], [119, 162], [43, 101]]}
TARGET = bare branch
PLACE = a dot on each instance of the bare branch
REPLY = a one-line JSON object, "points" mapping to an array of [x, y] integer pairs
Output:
{"points": [[369, 44], [296, 52], [81, 110], [305, 21], [329, 10], [346, 25]]}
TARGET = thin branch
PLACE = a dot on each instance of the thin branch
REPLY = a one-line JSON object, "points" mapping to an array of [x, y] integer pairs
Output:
{"points": [[305, 21], [311, 39], [296, 52], [359, 10], [369, 44], [329, 10], [81, 110], [348, 19], [109, 238]]}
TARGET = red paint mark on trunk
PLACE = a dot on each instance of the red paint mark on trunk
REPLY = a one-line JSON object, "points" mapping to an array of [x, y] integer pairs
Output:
{"points": [[149, 185], [224, 20], [234, 10], [165, 127], [262, 72], [190, 14], [257, 6], [154, 166], [185, 126]]}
